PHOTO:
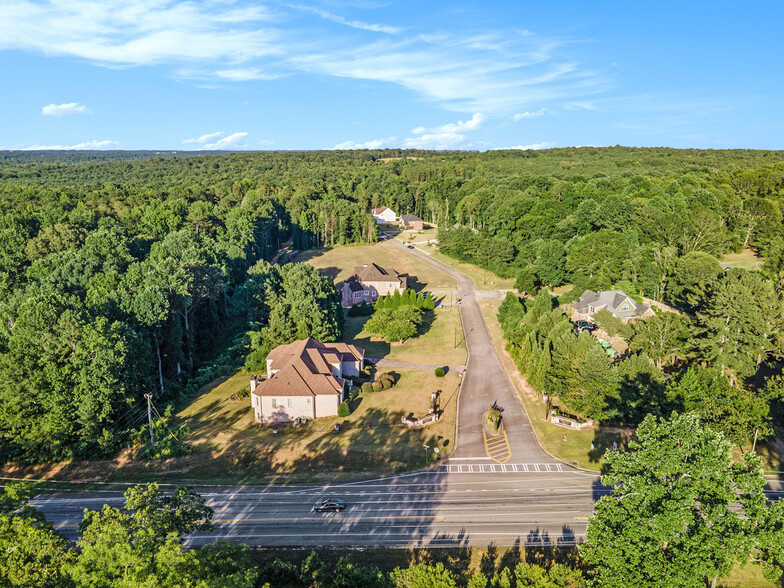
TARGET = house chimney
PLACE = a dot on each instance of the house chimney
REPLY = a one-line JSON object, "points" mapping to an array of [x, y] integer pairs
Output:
{"points": [[254, 381]]}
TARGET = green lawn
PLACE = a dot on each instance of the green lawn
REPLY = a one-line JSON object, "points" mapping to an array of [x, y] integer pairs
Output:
{"points": [[229, 446], [746, 259], [484, 279], [468, 560], [441, 329], [338, 263]]}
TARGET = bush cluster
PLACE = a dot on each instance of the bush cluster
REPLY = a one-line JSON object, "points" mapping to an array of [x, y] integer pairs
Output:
{"points": [[407, 298]]}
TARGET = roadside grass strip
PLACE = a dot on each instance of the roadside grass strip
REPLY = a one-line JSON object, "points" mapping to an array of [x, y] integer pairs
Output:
{"points": [[497, 448]]}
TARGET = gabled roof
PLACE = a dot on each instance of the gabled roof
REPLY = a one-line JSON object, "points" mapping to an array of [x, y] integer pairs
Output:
{"points": [[304, 368], [371, 272], [381, 210], [611, 301], [410, 218], [353, 284]]}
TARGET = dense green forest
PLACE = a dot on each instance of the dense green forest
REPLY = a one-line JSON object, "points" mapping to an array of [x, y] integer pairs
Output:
{"points": [[130, 273]]}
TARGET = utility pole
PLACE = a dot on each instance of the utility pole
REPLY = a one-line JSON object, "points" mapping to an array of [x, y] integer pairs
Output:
{"points": [[149, 417]]}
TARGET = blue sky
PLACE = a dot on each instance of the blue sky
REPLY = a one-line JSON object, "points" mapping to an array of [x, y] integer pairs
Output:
{"points": [[232, 74]]}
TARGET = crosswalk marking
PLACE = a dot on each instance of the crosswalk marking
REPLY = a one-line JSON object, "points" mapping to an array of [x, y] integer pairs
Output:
{"points": [[501, 468]]}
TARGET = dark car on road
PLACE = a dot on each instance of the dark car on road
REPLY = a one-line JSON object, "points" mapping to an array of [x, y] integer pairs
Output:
{"points": [[410, 246], [329, 504]]}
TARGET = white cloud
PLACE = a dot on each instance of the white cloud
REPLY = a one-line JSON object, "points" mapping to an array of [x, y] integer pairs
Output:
{"points": [[447, 136], [208, 41], [374, 144], [89, 146], [63, 109], [138, 32], [266, 142], [544, 145], [376, 28], [204, 138], [215, 141], [246, 74], [522, 115]]}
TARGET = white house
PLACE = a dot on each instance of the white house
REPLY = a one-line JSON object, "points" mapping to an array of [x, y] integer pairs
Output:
{"points": [[384, 215]]}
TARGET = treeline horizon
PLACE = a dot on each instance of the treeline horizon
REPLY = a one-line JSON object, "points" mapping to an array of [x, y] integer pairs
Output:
{"points": [[121, 276]]}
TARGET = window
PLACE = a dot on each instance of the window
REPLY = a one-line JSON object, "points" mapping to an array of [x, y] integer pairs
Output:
{"points": [[366, 292], [291, 403], [374, 294], [274, 403], [624, 307], [357, 294], [591, 309]]}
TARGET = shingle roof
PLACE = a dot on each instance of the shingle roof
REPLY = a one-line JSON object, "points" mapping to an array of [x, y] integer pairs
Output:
{"points": [[353, 284], [381, 210], [409, 218], [372, 272], [303, 368], [609, 300]]}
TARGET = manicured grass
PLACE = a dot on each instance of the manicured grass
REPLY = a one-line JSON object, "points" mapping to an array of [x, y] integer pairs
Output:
{"points": [[571, 445], [230, 447], [746, 259], [484, 279], [440, 329], [748, 577], [338, 263]]}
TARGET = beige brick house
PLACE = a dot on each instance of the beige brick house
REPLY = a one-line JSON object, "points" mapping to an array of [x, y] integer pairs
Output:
{"points": [[615, 302], [305, 379], [369, 283]]}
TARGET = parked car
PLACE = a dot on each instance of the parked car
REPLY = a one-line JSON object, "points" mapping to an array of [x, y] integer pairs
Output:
{"points": [[329, 504], [410, 246]]}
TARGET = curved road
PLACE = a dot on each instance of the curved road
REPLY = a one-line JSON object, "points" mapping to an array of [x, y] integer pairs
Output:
{"points": [[485, 380], [530, 499]]}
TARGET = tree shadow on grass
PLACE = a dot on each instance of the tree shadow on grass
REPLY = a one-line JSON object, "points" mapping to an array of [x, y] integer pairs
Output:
{"points": [[608, 439], [541, 550]]}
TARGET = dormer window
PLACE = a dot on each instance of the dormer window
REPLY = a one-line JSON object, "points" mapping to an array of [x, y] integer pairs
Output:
{"points": [[591, 309]]}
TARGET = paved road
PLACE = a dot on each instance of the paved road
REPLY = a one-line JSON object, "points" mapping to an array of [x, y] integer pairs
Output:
{"points": [[470, 500], [485, 380], [408, 365], [476, 503]]}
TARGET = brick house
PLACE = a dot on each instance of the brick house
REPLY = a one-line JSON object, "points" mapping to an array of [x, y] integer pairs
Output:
{"points": [[369, 283], [615, 302], [409, 221], [305, 379]]}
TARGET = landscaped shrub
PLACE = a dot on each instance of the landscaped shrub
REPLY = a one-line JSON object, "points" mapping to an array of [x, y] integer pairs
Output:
{"points": [[367, 388], [386, 383], [343, 410], [361, 309], [353, 393], [494, 417], [440, 372], [377, 386]]}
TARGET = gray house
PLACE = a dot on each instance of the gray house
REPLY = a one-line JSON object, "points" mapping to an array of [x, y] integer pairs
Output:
{"points": [[615, 302]]}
